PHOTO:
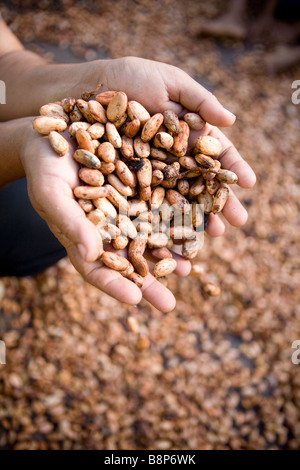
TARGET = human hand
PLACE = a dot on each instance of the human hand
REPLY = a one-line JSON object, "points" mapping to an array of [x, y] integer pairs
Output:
{"points": [[159, 87], [51, 181]]}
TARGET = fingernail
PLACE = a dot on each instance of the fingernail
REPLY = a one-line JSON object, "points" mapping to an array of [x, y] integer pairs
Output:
{"points": [[233, 116], [82, 250]]}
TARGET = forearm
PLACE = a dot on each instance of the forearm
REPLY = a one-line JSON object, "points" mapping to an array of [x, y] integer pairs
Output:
{"points": [[32, 82], [13, 135]]}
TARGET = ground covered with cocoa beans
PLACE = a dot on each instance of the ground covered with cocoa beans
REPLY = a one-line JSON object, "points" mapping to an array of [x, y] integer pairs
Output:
{"points": [[216, 373]]}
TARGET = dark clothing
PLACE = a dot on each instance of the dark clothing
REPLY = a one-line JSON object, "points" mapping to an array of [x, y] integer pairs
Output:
{"points": [[27, 246], [288, 10]]}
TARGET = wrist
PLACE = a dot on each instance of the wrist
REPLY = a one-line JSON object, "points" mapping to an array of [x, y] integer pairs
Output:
{"points": [[43, 82], [71, 79]]}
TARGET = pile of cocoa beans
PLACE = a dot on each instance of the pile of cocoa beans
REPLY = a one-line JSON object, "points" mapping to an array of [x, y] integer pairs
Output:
{"points": [[139, 186]]}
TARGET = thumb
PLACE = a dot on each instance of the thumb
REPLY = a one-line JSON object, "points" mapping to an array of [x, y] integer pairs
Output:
{"points": [[69, 224], [191, 95]]}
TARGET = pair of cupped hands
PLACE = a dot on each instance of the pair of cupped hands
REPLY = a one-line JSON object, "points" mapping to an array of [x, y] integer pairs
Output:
{"points": [[51, 179]]}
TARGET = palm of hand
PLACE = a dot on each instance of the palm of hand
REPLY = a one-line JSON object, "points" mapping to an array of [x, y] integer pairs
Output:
{"points": [[51, 180], [159, 87]]}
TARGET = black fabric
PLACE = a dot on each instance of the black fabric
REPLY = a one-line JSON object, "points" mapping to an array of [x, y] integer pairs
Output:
{"points": [[288, 10], [27, 246]]}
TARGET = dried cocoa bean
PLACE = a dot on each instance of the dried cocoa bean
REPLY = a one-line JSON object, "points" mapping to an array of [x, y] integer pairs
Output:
{"points": [[164, 267]]}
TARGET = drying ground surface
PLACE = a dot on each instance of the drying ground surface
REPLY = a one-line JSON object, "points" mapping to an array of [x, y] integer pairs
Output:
{"points": [[217, 372]]}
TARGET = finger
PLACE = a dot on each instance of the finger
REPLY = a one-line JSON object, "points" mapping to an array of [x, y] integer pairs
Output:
{"points": [[109, 281], [158, 295], [234, 211], [193, 96], [175, 107], [215, 226], [62, 211], [232, 160]]}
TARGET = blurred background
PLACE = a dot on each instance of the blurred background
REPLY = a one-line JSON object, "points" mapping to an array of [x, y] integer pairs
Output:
{"points": [[216, 373]]}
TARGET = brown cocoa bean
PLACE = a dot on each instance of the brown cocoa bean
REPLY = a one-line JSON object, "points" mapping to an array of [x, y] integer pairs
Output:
{"points": [[151, 127], [136, 111], [161, 253], [183, 186], [136, 251], [91, 177], [127, 176], [96, 216], [97, 111], [163, 140], [157, 197], [145, 193], [164, 267], [157, 240], [227, 176], [117, 199], [158, 154], [119, 186], [220, 199], [144, 174], [195, 122], [96, 130], [142, 149], [131, 128], [198, 186], [106, 206], [83, 107], [181, 140], [107, 168], [157, 178], [136, 279], [54, 110], [171, 122], [126, 226], [107, 152], [127, 147], [178, 201], [212, 186], [113, 135], [68, 104], [120, 243], [207, 200], [86, 205], [114, 261], [84, 140], [78, 125], [208, 145], [105, 97], [117, 106], [44, 124], [87, 159], [89, 192], [59, 144], [204, 161]]}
